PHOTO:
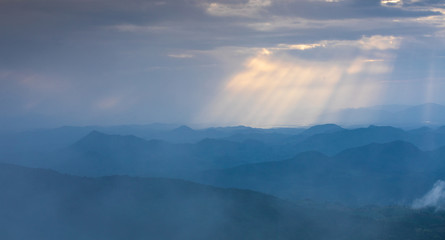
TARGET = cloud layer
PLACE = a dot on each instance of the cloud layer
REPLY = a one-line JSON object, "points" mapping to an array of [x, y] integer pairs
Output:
{"points": [[184, 61]]}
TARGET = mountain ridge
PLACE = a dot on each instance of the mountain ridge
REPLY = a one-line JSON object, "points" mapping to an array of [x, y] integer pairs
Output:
{"points": [[42, 204], [386, 169]]}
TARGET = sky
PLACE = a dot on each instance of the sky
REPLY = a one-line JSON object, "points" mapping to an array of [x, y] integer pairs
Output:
{"points": [[214, 62]]}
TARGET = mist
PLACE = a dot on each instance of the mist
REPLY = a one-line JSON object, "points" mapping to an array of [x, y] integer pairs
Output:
{"points": [[435, 198]]}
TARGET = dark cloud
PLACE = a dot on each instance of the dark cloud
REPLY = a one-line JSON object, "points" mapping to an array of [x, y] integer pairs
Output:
{"points": [[70, 14], [437, 3], [343, 10]]}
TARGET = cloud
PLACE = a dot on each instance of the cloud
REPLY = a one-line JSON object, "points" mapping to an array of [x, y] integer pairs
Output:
{"points": [[436, 3], [437, 21], [301, 46], [281, 84], [357, 9], [392, 3], [250, 9], [380, 42], [182, 55], [434, 198], [372, 43], [78, 55]]}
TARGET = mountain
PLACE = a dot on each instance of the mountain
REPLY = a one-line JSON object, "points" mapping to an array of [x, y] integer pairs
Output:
{"points": [[99, 154], [41, 204], [320, 129], [395, 115], [425, 114], [47, 140], [337, 141], [279, 136], [389, 173], [23, 145], [331, 139]]}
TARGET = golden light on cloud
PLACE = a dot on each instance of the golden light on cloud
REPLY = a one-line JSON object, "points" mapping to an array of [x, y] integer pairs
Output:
{"points": [[380, 42], [376, 42], [277, 88], [391, 2], [301, 46], [271, 92]]}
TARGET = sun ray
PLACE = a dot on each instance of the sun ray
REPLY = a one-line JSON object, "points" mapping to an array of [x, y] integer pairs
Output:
{"points": [[282, 89]]}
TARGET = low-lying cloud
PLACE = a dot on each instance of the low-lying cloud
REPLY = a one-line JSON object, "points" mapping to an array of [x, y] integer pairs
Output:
{"points": [[434, 198]]}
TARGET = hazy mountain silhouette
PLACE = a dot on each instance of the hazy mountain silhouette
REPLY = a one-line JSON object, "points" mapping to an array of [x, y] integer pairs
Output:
{"points": [[23, 144], [390, 173], [320, 129], [99, 154], [281, 136], [18, 145], [430, 113], [41, 204], [332, 143], [394, 115]]}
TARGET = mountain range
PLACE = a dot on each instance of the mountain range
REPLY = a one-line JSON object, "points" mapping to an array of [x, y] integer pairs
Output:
{"points": [[390, 173], [42, 204], [324, 162], [395, 115]]}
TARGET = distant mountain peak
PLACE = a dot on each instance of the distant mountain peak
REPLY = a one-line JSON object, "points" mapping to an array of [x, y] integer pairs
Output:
{"points": [[324, 128], [95, 138], [374, 127], [328, 125], [183, 128], [426, 107], [430, 104]]}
